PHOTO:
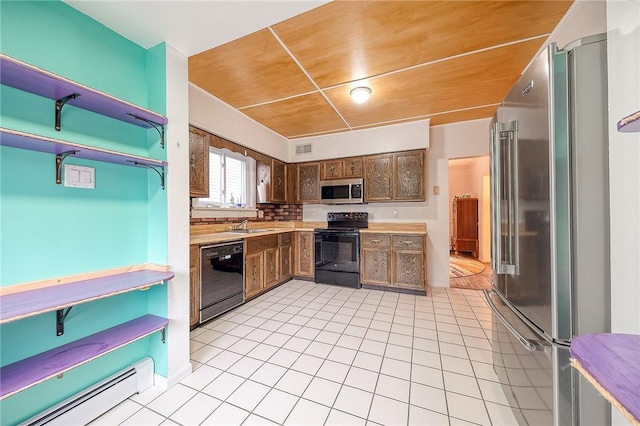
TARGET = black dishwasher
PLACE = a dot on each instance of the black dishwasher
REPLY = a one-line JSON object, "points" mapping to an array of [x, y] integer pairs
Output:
{"points": [[221, 283]]}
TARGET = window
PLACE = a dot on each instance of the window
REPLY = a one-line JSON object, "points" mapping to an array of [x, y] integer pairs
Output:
{"points": [[231, 180]]}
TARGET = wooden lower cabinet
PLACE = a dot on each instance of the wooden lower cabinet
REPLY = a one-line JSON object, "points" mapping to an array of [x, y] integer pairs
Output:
{"points": [[284, 254], [375, 266], [393, 260], [194, 284], [304, 252], [253, 274], [271, 267]]}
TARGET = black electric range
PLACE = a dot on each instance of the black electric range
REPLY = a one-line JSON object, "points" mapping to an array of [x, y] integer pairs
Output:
{"points": [[337, 249]]}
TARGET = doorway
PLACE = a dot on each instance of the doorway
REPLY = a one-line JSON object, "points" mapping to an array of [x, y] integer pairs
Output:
{"points": [[469, 223]]}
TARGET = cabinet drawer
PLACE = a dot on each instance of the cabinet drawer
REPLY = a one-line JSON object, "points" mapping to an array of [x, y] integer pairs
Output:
{"points": [[285, 239], [375, 240], [408, 242], [258, 244]]}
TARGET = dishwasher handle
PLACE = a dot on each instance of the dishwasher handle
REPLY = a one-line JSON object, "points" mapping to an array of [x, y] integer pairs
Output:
{"points": [[530, 345]]}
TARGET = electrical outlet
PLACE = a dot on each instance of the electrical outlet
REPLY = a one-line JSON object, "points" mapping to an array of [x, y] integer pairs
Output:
{"points": [[436, 190], [260, 213], [395, 213]]}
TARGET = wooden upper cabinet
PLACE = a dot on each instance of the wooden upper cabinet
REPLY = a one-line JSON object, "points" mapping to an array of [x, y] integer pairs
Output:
{"points": [[378, 176], [408, 173], [278, 181], [198, 163], [308, 183], [274, 174], [352, 167], [397, 176], [332, 169]]}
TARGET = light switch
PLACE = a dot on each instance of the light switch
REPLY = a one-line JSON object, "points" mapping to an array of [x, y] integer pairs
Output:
{"points": [[79, 176], [436, 190]]}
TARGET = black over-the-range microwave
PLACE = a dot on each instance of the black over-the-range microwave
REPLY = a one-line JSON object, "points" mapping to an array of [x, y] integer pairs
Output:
{"points": [[343, 191]]}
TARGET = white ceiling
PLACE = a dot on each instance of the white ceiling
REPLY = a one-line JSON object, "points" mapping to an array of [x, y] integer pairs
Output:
{"points": [[189, 26]]}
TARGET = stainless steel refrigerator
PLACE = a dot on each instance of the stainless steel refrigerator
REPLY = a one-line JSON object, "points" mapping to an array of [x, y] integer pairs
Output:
{"points": [[550, 232]]}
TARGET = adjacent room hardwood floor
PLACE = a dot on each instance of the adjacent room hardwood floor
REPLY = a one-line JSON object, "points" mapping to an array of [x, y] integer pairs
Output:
{"points": [[474, 282]]}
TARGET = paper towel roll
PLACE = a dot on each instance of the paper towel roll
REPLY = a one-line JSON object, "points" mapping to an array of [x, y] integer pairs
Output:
{"points": [[262, 193]]}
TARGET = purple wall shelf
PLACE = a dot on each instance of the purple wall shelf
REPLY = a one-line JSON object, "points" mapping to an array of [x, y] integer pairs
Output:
{"points": [[23, 76], [28, 303], [30, 141], [630, 124], [31, 371], [611, 362]]}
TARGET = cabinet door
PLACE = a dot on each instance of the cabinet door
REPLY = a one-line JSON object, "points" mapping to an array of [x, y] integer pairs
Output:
{"points": [[194, 285], [308, 189], [375, 266], [305, 266], [408, 269], [331, 169], [352, 167], [270, 267], [285, 262], [408, 173], [378, 170], [278, 181], [198, 163], [253, 274]]}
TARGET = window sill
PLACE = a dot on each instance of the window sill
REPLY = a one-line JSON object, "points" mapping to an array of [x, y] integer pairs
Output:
{"points": [[219, 212]]}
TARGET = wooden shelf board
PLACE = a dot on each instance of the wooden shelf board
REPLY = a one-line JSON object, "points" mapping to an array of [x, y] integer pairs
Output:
{"points": [[33, 142], [34, 302], [611, 362], [29, 78], [630, 124], [31, 371]]}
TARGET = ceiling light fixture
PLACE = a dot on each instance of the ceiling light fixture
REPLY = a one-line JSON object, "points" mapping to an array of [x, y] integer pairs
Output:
{"points": [[360, 94]]}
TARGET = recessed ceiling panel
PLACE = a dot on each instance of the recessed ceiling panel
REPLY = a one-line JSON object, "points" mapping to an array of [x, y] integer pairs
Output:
{"points": [[302, 115], [346, 41], [248, 71], [464, 82], [469, 114]]}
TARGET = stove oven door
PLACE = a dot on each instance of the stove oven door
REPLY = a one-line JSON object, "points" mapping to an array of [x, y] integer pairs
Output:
{"points": [[338, 257]]}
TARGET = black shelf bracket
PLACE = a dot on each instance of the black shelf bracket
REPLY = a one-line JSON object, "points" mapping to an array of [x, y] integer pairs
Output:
{"points": [[158, 169], [59, 160], [162, 334], [159, 127], [59, 104], [61, 315]]}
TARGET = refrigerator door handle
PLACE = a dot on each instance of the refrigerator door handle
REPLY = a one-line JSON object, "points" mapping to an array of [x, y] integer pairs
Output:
{"points": [[530, 345], [496, 227], [506, 133]]}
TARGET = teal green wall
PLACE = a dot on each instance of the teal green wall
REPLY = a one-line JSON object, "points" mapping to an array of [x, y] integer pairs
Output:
{"points": [[50, 230]]}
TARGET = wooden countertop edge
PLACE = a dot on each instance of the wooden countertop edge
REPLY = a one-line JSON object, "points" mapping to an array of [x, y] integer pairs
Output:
{"points": [[219, 234], [51, 282]]}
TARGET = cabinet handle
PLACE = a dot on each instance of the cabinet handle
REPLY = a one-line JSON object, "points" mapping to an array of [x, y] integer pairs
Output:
{"points": [[193, 159], [272, 267], [279, 181], [255, 273], [407, 242], [376, 241], [352, 168], [286, 261]]}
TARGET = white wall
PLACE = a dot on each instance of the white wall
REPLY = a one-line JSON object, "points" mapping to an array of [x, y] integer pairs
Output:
{"points": [[623, 32], [177, 143], [458, 140], [211, 114], [397, 137]]}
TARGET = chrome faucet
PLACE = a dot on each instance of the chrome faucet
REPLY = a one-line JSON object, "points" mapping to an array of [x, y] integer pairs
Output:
{"points": [[242, 225]]}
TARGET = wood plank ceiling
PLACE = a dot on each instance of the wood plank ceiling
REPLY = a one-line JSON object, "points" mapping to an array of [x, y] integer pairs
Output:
{"points": [[444, 60]]}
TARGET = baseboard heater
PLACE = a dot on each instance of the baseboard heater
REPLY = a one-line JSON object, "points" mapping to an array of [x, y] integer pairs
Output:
{"points": [[96, 400]]}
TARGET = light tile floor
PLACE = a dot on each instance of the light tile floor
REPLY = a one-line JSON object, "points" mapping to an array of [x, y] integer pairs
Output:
{"points": [[314, 354]]}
